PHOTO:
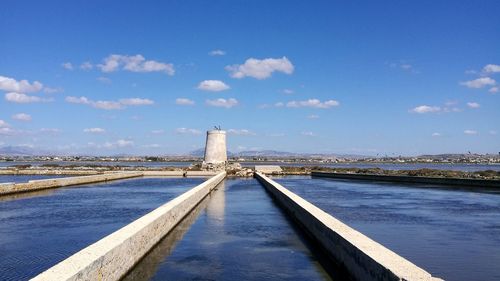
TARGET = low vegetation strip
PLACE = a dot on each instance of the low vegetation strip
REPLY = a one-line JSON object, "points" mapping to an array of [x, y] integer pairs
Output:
{"points": [[433, 173]]}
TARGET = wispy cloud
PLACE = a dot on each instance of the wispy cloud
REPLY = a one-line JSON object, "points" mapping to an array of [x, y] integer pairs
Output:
{"points": [[217, 53], [493, 90], [67, 65], [104, 80], [308, 134], [94, 130], [260, 69], [24, 98], [436, 134], [313, 116], [157, 132], [109, 105], [212, 86], [227, 103], [422, 109], [241, 132], [470, 132], [86, 66], [135, 63], [479, 83], [187, 131], [491, 68], [22, 117], [314, 103], [184, 101], [23, 86], [473, 105]]}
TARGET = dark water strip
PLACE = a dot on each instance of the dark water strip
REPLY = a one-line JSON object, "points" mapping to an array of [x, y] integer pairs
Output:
{"points": [[239, 234]]}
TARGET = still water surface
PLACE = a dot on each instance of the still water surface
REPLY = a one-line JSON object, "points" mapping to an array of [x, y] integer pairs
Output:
{"points": [[454, 234], [239, 234], [38, 230]]}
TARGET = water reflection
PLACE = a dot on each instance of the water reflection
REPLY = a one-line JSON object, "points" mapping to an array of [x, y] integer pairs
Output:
{"points": [[244, 236]]}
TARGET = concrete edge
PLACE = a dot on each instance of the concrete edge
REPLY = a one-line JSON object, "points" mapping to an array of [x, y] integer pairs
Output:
{"points": [[362, 257], [113, 256], [410, 179], [35, 185]]}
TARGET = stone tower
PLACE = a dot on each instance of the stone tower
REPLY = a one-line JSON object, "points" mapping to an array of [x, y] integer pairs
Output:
{"points": [[215, 148]]}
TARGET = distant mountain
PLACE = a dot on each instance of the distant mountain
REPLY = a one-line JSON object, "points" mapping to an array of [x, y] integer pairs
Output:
{"points": [[197, 153], [21, 151]]}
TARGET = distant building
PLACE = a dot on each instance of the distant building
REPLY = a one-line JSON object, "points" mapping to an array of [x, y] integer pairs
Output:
{"points": [[215, 148]]}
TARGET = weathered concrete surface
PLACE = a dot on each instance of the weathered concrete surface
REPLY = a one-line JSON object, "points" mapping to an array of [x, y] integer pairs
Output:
{"points": [[113, 256], [362, 257], [12, 188], [409, 179], [215, 147], [268, 169]]}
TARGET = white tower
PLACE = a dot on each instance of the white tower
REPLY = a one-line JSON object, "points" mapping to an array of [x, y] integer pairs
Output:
{"points": [[215, 148]]}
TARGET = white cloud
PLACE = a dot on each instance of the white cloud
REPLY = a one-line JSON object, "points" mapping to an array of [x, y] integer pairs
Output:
{"points": [[184, 101], [21, 117], [241, 132], [217, 53], [436, 134], [49, 90], [110, 105], [425, 109], [121, 143], [135, 63], [470, 132], [4, 124], [287, 91], [86, 65], [67, 65], [212, 86], [406, 66], [479, 83], [157, 132], [313, 116], [227, 103], [493, 90], [279, 104], [315, 103], [136, 101], [187, 131], [104, 80], [470, 71], [107, 105], [308, 134], [24, 86], [260, 69], [23, 98], [94, 130], [473, 105], [491, 68], [79, 100], [6, 131]]}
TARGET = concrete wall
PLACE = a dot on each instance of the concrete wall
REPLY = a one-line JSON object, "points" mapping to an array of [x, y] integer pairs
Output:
{"points": [[12, 188], [409, 179], [113, 256], [215, 147], [362, 257]]}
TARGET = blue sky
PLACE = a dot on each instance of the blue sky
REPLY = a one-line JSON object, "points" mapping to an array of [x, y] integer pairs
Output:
{"points": [[351, 77]]}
